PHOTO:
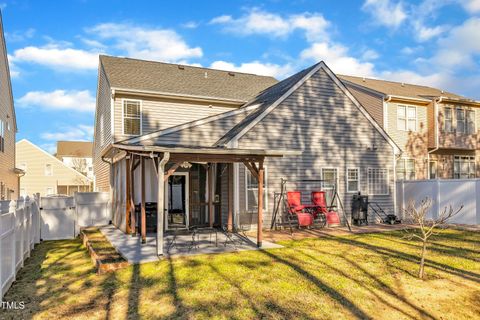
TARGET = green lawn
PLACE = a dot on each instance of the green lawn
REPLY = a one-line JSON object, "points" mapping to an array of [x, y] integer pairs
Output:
{"points": [[361, 276]]}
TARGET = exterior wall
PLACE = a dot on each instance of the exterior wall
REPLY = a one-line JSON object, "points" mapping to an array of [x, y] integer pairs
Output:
{"points": [[102, 128], [159, 114], [455, 139], [445, 158], [413, 144], [34, 181], [371, 102], [330, 131], [8, 178]]}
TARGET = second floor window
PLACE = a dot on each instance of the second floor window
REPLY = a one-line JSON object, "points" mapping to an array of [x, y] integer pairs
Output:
{"points": [[461, 126], [407, 118], [464, 121], [470, 121], [464, 167], [132, 117], [448, 120]]}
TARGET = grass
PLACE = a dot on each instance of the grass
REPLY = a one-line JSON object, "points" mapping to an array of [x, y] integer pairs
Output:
{"points": [[102, 247], [349, 277]]}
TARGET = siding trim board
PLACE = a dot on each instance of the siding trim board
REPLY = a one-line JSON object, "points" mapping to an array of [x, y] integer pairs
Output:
{"points": [[342, 87]]}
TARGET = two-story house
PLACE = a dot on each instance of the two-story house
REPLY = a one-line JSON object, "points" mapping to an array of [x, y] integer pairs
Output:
{"points": [[77, 155], [436, 130], [208, 147], [8, 127]]}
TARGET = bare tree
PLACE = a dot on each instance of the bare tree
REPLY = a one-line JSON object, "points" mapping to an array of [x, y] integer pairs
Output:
{"points": [[80, 164], [426, 226]]}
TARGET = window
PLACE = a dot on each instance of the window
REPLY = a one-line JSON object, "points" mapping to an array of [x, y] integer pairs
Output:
{"points": [[470, 121], [405, 169], [433, 169], [329, 177], [464, 167], [48, 169], [251, 185], [132, 117], [377, 181], [461, 126], [49, 191], [407, 118], [353, 180], [448, 120]]}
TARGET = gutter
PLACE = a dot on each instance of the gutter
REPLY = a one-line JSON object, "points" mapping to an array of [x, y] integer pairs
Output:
{"points": [[435, 123]]}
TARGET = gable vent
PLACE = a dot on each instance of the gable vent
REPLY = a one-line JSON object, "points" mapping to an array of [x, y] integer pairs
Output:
{"points": [[181, 67], [231, 74]]}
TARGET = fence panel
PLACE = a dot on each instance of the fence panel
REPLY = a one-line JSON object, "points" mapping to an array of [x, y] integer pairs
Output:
{"points": [[454, 192], [93, 208], [57, 218]]}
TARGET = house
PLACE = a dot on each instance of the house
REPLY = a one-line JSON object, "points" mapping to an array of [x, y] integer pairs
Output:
{"points": [[9, 175], [46, 174], [436, 130], [225, 168], [77, 155]]}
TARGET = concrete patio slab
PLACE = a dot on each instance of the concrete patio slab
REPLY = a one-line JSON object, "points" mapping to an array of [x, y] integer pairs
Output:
{"points": [[135, 252]]}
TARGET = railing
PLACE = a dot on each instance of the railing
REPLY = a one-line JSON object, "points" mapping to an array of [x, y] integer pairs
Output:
{"points": [[19, 232]]}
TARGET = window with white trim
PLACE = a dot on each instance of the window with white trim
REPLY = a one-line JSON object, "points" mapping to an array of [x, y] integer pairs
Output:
{"points": [[251, 188], [448, 120], [132, 117], [377, 181], [329, 177], [464, 167], [353, 180], [406, 118], [470, 121], [461, 125], [405, 169], [48, 169]]}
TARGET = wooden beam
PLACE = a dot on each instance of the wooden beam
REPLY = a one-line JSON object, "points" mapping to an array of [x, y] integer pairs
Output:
{"points": [[230, 197], [128, 203], [254, 166], [132, 197], [251, 169], [135, 166], [210, 195], [260, 205], [172, 170], [143, 214], [161, 202]]}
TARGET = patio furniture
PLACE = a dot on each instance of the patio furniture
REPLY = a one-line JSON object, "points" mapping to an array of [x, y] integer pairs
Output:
{"points": [[296, 212], [197, 231], [181, 232]]}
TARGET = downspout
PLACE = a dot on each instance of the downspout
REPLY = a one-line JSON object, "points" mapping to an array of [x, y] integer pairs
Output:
{"points": [[435, 124], [395, 157]]}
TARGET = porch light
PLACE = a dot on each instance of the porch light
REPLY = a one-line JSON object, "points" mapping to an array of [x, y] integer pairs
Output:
{"points": [[186, 165]]}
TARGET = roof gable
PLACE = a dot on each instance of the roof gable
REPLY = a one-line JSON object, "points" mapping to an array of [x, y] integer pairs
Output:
{"points": [[189, 81]]}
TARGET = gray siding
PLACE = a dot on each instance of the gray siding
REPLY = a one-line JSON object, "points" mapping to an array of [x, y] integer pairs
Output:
{"points": [[322, 122], [372, 103], [102, 127]]}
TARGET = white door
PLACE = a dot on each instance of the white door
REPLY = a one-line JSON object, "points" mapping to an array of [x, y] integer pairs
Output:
{"points": [[177, 201]]}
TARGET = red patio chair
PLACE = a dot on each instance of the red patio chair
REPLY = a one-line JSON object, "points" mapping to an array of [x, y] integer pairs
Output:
{"points": [[296, 211], [323, 214]]}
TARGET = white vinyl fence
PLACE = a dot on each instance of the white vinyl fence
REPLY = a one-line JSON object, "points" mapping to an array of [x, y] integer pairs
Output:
{"points": [[19, 232], [454, 192]]}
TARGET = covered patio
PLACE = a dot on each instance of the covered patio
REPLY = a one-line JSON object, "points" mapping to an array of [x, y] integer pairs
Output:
{"points": [[169, 161]]}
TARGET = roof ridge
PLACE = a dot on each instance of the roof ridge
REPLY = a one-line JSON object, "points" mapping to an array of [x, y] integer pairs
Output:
{"points": [[185, 65], [390, 81]]}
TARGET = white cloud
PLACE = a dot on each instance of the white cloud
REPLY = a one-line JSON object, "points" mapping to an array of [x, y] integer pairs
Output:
{"points": [[59, 100], [257, 21], [14, 72], [472, 6], [17, 36], [386, 12], [71, 133], [191, 25], [337, 58], [370, 54], [144, 43], [424, 33], [59, 58], [256, 67]]}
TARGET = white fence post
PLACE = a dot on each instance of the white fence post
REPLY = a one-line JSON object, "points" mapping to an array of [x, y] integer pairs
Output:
{"points": [[13, 209]]}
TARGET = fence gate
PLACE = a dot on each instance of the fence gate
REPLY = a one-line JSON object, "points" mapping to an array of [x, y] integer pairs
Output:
{"points": [[57, 218], [92, 209]]}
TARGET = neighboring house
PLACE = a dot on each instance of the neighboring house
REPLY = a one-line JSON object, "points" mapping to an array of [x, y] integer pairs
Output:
{"points": [[306, 127], [77, 155], [8, 128], [436, 130], [45, 174], [136, 97]]}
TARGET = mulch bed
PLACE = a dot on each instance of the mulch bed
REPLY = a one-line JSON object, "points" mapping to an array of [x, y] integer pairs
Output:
{"points": [[102, 253]]}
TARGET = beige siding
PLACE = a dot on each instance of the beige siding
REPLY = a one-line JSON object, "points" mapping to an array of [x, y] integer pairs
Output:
{"points": [[159, 114], [413, 144], [102, 127], [7, 158], [35, 180], [330, 131], [371, 102], [457, 140]]}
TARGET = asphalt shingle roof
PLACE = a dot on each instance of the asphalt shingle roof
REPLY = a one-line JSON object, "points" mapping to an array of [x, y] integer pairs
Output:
{"points": [[127, 73], [399, 88]]}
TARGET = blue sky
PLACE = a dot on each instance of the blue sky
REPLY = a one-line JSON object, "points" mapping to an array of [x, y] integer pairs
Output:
{"points": [[53, 46]]}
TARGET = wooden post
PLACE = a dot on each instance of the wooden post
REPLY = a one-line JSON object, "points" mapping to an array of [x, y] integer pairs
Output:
{"points": [[143, 213], [210, 195], [161, 202], [128, 201], [230, 197], [260, 205], [132, 197]]}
